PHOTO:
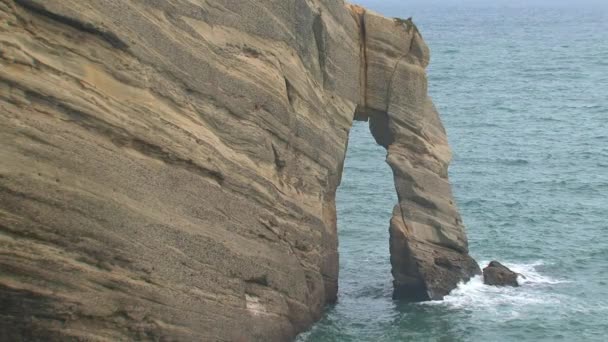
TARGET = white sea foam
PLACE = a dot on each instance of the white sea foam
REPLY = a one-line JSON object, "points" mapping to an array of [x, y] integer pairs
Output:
{"points": [[535, 289], [531, 276]]}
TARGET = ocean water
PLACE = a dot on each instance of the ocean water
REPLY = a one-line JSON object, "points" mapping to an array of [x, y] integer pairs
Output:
{"points": [[523, 93]]}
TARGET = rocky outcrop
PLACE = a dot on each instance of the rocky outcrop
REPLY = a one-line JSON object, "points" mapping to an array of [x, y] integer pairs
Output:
{"points": [[169, 168], [429, 252], [498, 274]]}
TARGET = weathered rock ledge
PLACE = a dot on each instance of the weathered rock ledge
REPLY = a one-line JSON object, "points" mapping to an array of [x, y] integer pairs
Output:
{"points": [[168, 168]]}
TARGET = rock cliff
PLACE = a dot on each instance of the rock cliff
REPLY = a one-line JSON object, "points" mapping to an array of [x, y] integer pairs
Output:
{"points": [[168, 168]]}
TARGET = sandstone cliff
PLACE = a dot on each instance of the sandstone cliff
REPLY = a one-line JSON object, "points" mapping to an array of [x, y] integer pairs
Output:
{"points": [[168, 168]]}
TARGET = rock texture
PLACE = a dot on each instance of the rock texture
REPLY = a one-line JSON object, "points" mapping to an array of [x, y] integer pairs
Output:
{"points": [[168, 168], [429, 251], [498, 274]]}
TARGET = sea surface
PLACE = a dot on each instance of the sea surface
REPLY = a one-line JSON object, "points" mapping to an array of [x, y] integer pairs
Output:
{"points": [[523, 93]]}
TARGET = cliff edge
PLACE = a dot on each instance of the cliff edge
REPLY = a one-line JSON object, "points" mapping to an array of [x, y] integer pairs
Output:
{"points": [[169, 168]]}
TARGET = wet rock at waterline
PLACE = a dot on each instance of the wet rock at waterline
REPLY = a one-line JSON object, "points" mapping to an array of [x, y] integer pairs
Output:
{"points": [[498, 274], [169, 168]]}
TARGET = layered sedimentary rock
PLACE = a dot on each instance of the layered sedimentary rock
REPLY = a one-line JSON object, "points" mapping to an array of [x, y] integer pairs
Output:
{"points": [[168, 168], [429, 250]]}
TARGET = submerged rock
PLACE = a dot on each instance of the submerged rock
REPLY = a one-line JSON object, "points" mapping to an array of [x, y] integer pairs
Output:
{"points": [[498, 274]]}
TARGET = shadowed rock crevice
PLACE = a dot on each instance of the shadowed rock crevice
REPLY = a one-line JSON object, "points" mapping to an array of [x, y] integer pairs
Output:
{"points": [[379, 127], [27, 315], [358, 14], [39, 8], [320, 42]]}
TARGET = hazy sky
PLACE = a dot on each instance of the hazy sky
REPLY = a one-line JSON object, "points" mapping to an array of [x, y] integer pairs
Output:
{"points": [[518, 3]]}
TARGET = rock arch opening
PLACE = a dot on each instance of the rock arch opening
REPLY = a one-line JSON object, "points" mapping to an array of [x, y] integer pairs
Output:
{"points": [[363, 201]]}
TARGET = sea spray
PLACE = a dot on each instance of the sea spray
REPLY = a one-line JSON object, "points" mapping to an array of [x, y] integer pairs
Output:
{"points": [[535, 289]]}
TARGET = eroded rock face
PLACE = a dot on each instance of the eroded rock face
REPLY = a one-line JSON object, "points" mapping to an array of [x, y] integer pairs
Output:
{"points": [[429, 251], [498, 274], [169, 168]]}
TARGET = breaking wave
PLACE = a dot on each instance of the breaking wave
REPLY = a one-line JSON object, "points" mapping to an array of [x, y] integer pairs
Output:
{"points": [[535, 289]]}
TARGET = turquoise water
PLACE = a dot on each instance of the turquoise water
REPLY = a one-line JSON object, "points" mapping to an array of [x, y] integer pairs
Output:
{"points": [[523, 92]]}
